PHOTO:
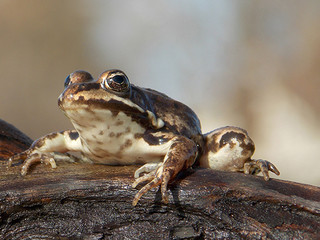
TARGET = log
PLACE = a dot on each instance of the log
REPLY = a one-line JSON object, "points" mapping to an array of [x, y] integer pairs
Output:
{"points": [[90, 201], [12, 140]]}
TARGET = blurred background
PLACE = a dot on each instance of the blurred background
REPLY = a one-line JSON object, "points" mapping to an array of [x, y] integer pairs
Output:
{"points": [[252, 64]]}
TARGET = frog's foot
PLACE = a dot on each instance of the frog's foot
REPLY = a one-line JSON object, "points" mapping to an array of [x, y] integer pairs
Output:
{"points": [[181, 155], [255, 166], [157, 178], [31, 157], [48, 149], [147, 168]]}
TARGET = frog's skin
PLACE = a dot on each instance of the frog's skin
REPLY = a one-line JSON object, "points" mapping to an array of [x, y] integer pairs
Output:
{"points": [[117, 123]]}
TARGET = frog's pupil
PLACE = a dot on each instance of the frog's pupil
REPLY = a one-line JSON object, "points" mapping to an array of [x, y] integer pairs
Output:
{"points": [[118, 83], [118, 79]]}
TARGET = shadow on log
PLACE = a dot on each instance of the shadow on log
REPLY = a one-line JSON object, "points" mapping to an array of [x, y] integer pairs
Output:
{"points": [[86, 201]]}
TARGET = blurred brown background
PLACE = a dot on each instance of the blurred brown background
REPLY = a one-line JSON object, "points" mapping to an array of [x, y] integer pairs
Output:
{"points": [[253, 64]]}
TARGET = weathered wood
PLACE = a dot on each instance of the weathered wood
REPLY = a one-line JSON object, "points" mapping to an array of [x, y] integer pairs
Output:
{"points": [[12, 140], [86, 201]]}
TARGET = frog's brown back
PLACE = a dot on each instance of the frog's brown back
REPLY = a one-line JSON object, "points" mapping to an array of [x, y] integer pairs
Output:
{"points": [[178, 118]]}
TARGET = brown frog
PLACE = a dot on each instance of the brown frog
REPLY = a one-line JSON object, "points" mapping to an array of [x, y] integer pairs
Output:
{"points": [[118, 123]]}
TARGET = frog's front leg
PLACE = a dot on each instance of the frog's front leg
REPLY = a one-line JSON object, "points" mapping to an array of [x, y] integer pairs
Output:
{"points": [[47, 148], [181, 155]]}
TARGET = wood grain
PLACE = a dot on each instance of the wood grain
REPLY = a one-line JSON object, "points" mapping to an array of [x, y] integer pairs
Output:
{"points": [[87, 201]]}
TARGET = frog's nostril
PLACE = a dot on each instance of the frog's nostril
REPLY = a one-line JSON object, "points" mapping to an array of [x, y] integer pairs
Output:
{"points": [[59, 100]]}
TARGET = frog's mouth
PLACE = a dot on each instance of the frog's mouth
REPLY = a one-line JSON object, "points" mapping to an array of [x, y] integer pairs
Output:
{"points": [[95, 97], [93, 104], [86, 103]]}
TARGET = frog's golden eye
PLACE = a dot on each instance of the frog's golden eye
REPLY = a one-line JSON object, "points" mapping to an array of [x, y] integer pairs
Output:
{"points": [[118, 83]]}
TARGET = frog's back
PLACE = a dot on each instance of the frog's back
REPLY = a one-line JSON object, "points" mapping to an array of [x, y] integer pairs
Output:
{"points": [[179, 118]]}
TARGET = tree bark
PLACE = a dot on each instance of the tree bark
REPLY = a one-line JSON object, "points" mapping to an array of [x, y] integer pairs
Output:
{"points": [[88, 201]]}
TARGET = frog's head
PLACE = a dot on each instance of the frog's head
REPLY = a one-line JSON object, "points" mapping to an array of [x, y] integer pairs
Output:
{"points": [[85, 99], [112, 91]]}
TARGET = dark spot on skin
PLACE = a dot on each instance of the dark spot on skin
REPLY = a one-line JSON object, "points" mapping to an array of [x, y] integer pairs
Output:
{"points": [[38, 143], [101, 132], [94, 136], [112, 134], [73, 135], [118, 123], [212, 143], [152, 140], [169, 170], [53, 135], [100, 143], [138, 135], [247, 149], [114, 113], [227, 137], [127, 144], [41, 141], [119, 134]]}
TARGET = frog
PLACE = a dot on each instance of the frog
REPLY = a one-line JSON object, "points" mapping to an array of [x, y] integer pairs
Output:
{"points": [[118, 123]]}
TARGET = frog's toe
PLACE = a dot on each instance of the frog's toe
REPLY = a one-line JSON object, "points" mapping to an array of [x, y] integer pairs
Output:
{"points": [[158, 177], [35, 158], [146, 177], [17, 157], [260, 165], [181, 155], [147, 168], [154, 183], [273, 168]]}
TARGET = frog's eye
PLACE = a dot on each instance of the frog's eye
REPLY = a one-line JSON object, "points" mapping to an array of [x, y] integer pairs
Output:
{"points": [[118, 83], [67, 81], [78, 76]]}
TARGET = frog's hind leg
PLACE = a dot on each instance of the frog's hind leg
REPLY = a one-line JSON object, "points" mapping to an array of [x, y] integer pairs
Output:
{"points": [[230, 149], [181, 155]]}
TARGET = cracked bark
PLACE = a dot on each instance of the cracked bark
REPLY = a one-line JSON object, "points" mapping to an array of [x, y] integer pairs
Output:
{"points": [[86, 201]]}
